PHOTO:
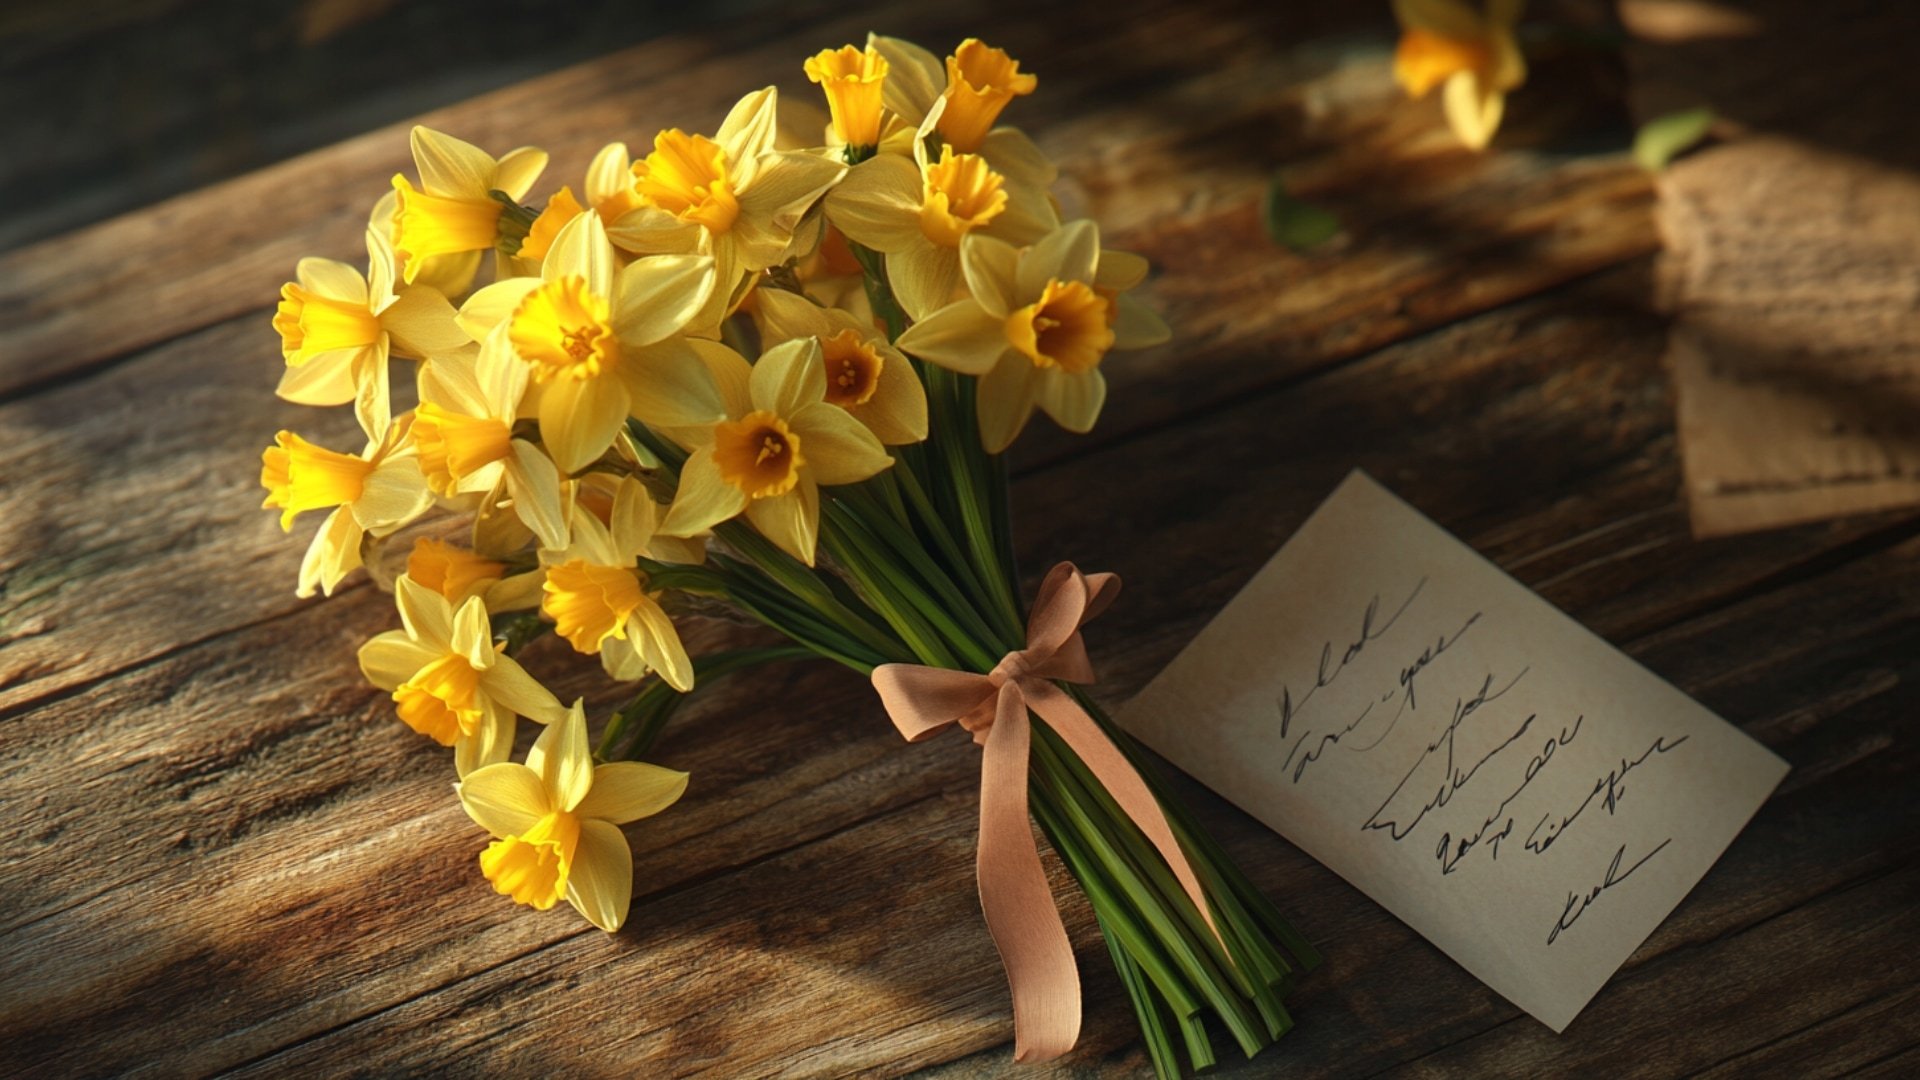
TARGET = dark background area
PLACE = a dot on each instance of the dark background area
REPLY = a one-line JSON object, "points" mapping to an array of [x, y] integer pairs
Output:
{"points": [[108, 105]]}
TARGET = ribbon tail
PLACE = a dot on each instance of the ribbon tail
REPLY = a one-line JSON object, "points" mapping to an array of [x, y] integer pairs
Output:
{"points": [[1014, 896], [1121, 780]]}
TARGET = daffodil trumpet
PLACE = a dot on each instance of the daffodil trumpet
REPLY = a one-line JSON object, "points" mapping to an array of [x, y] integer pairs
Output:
{"points": [[769, 375]]}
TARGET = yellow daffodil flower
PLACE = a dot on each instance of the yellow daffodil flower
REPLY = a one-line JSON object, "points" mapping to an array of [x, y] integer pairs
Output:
{"points": [[971, 87], [450, 681], [852, 80], [866, 376], [441, 230], [598, 598], [733, 196], [781, 440], [602, 343], [458, 573], [1038, 324], [337, 328], [917, 210], [371, 494], [463, 432], [1472, 52], [556, 822]]}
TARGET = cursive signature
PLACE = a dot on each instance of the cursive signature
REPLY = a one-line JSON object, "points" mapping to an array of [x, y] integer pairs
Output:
{"points": [[1453, 778], [1329, 669], [1608, 789], [1578, 903], [1450, 851]]}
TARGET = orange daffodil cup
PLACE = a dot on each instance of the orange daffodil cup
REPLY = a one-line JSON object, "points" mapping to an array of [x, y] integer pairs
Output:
{"points": [[766, 374]]}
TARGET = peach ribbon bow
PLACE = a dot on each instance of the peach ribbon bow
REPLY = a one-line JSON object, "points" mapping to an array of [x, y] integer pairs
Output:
{"points": [[1026, 927]]}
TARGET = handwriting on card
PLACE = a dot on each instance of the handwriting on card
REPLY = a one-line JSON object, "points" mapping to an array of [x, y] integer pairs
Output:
{"points": [[1514, 788]]}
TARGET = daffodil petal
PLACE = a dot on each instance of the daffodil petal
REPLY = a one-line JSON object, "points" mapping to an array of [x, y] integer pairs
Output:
{"points": [[472, 634], [1073, 401], [657, 296], [1136, 326], [509, 684], [518, 169], [659, 644], [925, 278], [535, 486], [963, 337], [490, 744], [579, 417], [704, 500], [506, 799], [422, 322], [670, 384], [1473, 109], [1005, 401], [990, 266], [493, 305], [333, 554], [392, 658], [634, 519], [792, 520], [450, 166], [610, 175], [516, 592], [332, 279], [372, 393], [581, 249], [393, 494], [561, 757], [626, 791], [748, 131], [326, 379], [650, 230], [787, 183], [732, 375], [1013, 155], [426, 614], [1120, 270], [915, 79], [789, 377], [877, 204], [1069, 253], [600, 884], [784, 316], [839, 449], [897, 412]]}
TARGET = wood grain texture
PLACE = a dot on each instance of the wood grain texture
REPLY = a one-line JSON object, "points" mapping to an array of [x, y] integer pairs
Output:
{"points": [[234, 858]]}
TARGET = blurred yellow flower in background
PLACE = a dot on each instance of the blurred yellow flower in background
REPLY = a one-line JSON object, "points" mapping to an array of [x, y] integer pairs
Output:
{"points": [[1471, 53]]}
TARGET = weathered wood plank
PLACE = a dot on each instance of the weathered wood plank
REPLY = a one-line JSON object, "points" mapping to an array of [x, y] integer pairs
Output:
{"points": [[308, 791]]}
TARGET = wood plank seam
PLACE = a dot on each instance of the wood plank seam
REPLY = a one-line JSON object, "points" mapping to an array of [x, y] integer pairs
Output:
{"points": [[1802, 1030]]}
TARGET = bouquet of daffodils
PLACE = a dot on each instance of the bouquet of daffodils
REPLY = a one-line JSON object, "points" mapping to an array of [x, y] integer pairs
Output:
{"points": [[767, 374]]}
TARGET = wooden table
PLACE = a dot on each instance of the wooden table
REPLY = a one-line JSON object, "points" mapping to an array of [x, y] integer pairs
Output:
{"points": [[223, 854]]}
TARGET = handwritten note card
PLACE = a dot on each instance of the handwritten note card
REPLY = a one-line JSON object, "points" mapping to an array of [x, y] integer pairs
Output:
{"points": [[1508, 784]]}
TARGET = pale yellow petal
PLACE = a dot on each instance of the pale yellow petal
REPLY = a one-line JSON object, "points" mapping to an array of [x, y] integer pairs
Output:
{"points": [[450, 166], [915, 77], [392, 658], [991, 266], [1013, 155], [787, 183], [1069, 253], [731, 375], [791, 521], [877, 204], [1473, 109], [372, 391], [1120, 270], [426, 614], [749, 130], [333, 554], [784, 316], [578, 419], [897, 412], [422, 323], [610, 175], [654, 635], [534, 483], [600, 885], [622, 661], [509, 684], [789, 377], [561, 757], [490, 744], [650, 230], [704, 499], [1005, 401], [473, 634], [581, 249], [332, 279], [625, 791], [493, 305], [393, 494], [326, 379], [518, 170], [450, 275], [635, 518], [838, 448], [962, 337], [658, 295], [925, 278], [670, 384], [1073, 401], [516, 592], [506, 799]]}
